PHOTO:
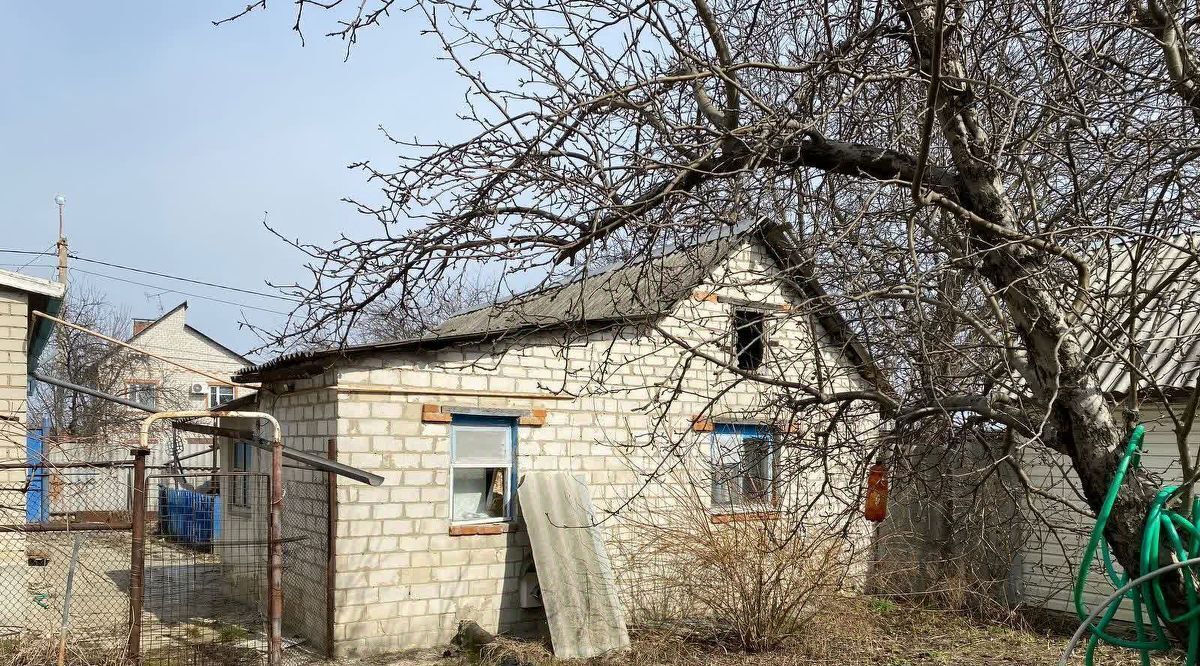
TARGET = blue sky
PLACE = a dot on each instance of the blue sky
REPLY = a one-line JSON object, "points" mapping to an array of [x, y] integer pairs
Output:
{"points": [[170, 138]]}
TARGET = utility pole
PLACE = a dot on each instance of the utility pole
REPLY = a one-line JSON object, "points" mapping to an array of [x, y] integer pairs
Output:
{"points": [[62, 240]]}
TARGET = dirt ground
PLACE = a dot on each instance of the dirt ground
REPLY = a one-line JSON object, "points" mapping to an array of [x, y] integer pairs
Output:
{"points": [[859, 632], [188, 609]]}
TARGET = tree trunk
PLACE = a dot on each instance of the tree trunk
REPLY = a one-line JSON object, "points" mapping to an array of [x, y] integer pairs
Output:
{"points": [[1081, 423]]}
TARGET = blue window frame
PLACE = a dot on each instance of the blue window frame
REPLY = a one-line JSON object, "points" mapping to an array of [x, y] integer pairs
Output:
{"points": [[483, 468], [743, 466]]}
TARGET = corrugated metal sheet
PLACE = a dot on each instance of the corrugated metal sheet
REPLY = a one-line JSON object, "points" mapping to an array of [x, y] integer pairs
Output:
{"points": [[1166, 331], [642, 290], [579, 589], [639, 291], [623, 294]]}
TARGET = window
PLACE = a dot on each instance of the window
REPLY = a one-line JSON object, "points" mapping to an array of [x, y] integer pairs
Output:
{"points": [[145, 394], [219, 395], [482, 468], [743, 466], [243, 461], [749, 338]]}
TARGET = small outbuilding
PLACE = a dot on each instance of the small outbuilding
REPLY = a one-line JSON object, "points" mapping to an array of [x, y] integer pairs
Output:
{"points": [[635, 379]]}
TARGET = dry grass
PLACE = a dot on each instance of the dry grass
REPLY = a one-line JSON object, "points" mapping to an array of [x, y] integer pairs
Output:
{"points": [[37, 650], [851, 631]]}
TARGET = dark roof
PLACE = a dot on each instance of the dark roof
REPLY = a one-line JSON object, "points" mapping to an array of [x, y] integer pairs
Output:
{"points": [[619, 294], [643, 290]]}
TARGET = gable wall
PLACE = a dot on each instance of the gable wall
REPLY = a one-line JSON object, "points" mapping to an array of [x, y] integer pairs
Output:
{"points": [[402, 579], [171, 338]]}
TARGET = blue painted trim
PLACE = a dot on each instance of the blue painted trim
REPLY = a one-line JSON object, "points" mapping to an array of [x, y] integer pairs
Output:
{"points": [[37, 499], [473, 419], [745, 431]]}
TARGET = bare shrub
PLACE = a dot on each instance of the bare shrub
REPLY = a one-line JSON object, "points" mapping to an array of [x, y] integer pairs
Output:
{"points": [[752, 578]]}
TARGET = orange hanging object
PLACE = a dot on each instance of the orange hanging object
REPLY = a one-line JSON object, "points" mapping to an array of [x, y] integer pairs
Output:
{"points": [[877, 492]]}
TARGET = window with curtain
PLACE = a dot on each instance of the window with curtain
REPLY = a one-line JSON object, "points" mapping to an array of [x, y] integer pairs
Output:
{"points": [[482, 468], [743, 466]]}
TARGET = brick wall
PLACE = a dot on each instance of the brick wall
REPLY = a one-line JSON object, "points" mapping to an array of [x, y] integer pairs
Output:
{"points": [[14, 314], [171, 338], [617, 404], [13, 570]]}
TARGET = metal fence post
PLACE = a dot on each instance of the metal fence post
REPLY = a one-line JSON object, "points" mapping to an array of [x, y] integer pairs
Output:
{"points": [[275, 556], [137, 558]]}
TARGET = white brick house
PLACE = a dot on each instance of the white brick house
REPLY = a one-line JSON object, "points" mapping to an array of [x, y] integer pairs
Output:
{"points": [[164, 386], [22, 337], [603, 377]]}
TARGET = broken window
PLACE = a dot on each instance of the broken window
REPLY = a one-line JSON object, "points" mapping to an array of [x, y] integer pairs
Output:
{"points": [[482, 468], [743, 466], [749, 338]]}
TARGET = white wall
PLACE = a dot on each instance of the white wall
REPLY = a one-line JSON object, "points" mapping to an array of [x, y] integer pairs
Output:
{"points": [[405, 577], [1060, 529], [170, 337]]}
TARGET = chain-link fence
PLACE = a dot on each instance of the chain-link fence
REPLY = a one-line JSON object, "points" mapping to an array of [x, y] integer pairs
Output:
{"points": [[65, 544], [205, 571], [306, 562], [77, 550]]}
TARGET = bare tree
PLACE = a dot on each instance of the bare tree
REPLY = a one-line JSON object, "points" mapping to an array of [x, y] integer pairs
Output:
{"points": [[954, 174], [391, 319], [81, 358]]}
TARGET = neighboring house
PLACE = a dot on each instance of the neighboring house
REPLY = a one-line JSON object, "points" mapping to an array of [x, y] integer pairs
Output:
{"points": [[166, 387], [22, 337], [587, 377], [1167, 333]]}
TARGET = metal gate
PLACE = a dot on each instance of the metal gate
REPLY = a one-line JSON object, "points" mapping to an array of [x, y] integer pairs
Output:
{"points": [[204, 581]]}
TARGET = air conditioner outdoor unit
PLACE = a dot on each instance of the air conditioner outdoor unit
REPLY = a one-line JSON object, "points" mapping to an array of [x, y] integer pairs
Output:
{"points": [[199, 387]]}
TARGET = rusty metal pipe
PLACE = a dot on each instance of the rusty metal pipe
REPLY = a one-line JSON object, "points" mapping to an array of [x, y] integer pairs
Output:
{"points": [[275, 556], [137, 558]]}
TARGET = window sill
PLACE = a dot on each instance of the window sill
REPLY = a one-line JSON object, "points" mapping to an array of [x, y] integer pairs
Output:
{"points": [[743, 517], [484, 528]]}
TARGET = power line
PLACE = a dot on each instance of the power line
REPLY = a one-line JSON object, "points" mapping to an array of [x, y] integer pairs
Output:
{"points": [[183, 279], [7, 251], [168, 276], [166, 289]]}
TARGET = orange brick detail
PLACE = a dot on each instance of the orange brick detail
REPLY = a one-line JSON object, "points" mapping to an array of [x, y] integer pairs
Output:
{"points": [[701, 424], [535, 418], [701, 295], [722, 518], [431, 413], [488, 528]]}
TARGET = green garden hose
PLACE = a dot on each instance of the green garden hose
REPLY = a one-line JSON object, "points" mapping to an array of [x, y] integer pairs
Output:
{"points": [[1150, 609]]}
